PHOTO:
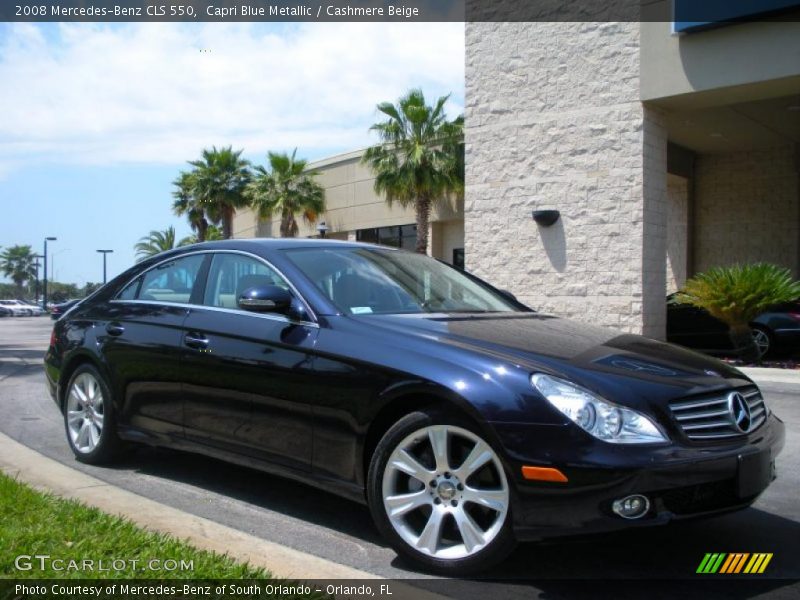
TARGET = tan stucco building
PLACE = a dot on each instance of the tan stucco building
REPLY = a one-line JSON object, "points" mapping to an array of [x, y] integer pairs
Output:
{"points": [[355, 211]]}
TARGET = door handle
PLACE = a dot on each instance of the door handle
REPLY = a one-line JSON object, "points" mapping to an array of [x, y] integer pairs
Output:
{"points": [[115, 329], [195, 340]]}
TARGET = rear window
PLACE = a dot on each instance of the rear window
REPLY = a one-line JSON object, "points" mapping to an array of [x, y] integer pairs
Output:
{"points": [[171, 282]]}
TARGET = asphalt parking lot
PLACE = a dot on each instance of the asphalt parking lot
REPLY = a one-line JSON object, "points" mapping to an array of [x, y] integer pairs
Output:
{"points": [[325, 525]]}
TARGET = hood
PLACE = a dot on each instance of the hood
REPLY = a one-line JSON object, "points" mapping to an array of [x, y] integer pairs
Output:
{"points": [[568, 348]]}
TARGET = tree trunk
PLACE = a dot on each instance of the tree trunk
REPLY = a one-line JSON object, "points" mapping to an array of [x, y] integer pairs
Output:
{"points": [[288, 226], [227, 222], [202, 229], [742, 339], [423, 209]]}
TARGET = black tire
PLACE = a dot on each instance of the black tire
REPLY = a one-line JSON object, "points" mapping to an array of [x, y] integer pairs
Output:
{"points": [[500, 546], [108, 446]]}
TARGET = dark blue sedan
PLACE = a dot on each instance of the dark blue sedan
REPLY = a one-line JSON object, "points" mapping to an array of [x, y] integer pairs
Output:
{"points": [[465, 420]]}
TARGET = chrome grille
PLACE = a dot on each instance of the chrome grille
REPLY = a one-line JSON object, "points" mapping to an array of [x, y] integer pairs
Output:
{"points": [[710, 418]]}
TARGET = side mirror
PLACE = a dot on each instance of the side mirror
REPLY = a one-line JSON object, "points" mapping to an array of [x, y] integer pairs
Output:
{"points": [[265, 298], [508, 295]]}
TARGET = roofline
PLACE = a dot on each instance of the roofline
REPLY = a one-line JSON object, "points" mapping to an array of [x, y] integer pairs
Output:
{"points": [[336, 158]]}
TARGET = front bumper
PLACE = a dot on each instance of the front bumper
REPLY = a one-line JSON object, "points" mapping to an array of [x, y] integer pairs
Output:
{"points": [[680, 481]]}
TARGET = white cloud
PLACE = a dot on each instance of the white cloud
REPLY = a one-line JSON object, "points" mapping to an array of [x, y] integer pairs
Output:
{"points": [[145, 93]]}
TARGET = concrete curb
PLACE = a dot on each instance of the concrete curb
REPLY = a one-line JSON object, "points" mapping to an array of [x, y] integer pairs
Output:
{"points": [[764, 375], [46, 474]]}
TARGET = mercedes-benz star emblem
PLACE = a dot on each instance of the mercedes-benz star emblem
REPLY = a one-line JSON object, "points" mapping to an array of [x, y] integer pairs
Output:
{"points": [[740, 412]]}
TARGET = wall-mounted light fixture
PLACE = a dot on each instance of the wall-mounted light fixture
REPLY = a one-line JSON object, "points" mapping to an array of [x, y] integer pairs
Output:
{"points": [[546, 218]]}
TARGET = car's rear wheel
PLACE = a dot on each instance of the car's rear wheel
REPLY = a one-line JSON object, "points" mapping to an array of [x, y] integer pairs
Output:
{"points": [[763, 340], [89, 417], [439, 493]]}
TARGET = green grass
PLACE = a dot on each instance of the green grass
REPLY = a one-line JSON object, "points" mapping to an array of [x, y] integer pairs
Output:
{"points": [[35, 523]]}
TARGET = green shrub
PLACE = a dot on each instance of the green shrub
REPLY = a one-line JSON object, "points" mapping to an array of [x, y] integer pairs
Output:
{"points": [[736, 295]]}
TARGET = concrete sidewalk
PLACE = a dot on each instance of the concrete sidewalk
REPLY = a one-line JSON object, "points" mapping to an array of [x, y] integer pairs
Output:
{"points": [[764, 375], [45, 474]]}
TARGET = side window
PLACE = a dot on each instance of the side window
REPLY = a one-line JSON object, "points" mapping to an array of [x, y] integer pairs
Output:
{"points": [[172, 281], [232, 274], [129, 291]]}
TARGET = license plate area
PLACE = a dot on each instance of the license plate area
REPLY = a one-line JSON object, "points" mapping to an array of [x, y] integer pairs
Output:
{"points": [[755, 473]]}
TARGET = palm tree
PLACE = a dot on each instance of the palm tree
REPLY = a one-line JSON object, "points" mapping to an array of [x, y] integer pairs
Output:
{"points": [[217, 184], [158, 241], [420, 158], [212, 233], [186, 204], [737, 295], [287, 189], [17, 262]]}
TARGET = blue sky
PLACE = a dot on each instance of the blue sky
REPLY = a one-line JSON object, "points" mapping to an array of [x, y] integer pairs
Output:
{"points": [[97, 120]]}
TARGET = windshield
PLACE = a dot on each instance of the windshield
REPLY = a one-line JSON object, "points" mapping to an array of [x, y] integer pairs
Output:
{"points": [[363, 281]]}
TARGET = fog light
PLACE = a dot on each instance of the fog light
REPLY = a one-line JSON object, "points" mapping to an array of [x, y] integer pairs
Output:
{"points": [[631, 507]]}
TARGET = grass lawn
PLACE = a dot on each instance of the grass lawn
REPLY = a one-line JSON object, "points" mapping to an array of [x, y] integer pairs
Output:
{"points": [[34, 523]]}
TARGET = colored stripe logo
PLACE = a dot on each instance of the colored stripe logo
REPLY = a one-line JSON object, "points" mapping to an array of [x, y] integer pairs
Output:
{"points": [[735, 562]]}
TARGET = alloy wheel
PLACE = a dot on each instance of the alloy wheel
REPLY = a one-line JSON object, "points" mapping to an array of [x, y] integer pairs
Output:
{"points": [[762, 341], [445, 492], [85, 413]]}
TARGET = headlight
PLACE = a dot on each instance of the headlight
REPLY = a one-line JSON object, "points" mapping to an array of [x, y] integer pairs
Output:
{"points": [[603, 419]]}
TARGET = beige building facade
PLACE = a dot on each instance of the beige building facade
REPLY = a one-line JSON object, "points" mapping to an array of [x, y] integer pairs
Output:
{"points": [[665, 155]]}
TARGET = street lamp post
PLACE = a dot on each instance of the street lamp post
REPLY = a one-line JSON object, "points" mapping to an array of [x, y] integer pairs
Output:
{"points": [[37, 264], [44, 280], [104, 253]]}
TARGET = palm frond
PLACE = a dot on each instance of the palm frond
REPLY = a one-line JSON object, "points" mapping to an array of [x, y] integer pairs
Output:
{"points": [[420, 157], [287, 189], [738, 294]]}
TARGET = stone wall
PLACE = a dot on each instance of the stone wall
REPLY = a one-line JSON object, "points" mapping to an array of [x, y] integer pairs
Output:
{"points": [[446, 237], [554, 121], [746, 208], [677, 232]]}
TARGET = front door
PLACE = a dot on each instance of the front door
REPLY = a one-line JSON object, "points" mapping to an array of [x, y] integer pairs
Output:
{"points": [[249, 375]]}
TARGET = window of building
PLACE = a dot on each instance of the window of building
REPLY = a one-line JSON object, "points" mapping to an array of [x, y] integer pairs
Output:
{"points": [[396, 236]]}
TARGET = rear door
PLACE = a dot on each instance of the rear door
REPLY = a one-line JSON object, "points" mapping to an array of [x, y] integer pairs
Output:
{"points": [[249, 377], [141, 340]]}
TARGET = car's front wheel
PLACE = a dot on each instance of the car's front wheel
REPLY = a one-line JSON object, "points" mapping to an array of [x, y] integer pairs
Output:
{"points": [[89, 417], [439, 493]]}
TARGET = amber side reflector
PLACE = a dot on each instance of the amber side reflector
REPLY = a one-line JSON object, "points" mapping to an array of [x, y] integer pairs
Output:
{"points": [[544, 474]]}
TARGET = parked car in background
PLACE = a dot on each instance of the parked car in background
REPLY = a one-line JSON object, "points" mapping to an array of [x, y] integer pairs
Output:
{"points": [[56, 310], [35, 310], [462, 418], [775, 331], [21, 309]]}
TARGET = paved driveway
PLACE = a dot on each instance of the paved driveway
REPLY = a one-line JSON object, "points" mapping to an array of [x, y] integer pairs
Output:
{"points": [[339, 530]]}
